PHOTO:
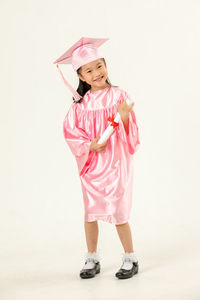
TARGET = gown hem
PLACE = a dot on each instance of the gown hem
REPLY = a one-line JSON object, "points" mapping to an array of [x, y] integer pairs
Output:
{"points": [[105, 218]]}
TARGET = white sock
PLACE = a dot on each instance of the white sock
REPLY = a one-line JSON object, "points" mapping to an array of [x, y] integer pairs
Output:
{"points": [[128, 259], [91, 258]]}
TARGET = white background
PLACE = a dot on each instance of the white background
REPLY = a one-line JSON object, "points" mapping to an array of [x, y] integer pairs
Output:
{"points": [[153, 54]]}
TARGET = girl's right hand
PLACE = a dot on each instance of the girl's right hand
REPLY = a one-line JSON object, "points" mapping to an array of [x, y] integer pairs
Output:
{"points": [[97, 147]]}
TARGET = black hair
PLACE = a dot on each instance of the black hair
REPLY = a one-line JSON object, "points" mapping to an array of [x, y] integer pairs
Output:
{"points": [[84, 86]]}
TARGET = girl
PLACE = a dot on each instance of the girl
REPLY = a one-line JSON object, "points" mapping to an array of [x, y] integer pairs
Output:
{"points": [[105, 170]]}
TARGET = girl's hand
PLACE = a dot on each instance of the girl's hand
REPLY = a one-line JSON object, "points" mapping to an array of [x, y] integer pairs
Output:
{"points": [[124, 109], [97, 147]]}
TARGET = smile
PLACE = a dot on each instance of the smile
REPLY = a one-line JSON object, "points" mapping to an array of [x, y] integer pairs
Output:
{"points": [[99, 79]]}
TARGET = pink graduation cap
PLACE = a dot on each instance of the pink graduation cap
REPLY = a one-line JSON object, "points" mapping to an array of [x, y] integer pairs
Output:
{"points": [[81, 53]]}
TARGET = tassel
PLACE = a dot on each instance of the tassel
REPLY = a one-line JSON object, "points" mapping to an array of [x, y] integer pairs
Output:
{"points": [[76, 95]]}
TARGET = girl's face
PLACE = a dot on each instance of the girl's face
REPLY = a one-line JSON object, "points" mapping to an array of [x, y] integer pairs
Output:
{"points": [[95, 74]]}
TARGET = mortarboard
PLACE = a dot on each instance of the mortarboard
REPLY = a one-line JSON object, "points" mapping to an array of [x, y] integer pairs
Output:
{"points": [[82, 52]]}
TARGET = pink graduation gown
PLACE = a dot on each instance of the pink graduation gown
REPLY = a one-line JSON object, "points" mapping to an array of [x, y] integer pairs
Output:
{"points": [[106, 176]]}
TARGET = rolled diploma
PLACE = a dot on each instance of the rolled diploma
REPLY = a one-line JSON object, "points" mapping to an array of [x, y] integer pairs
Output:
{"points": [[109, 130]]}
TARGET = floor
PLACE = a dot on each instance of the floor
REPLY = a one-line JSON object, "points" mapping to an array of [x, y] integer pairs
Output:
{"points": [[168, 270]]}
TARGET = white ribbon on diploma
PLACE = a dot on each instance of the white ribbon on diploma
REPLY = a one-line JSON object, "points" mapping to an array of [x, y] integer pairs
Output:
{"points": [[109, 130]]}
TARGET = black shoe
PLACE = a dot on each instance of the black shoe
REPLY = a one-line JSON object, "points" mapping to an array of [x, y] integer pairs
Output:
{"points": [[123, 273], [89, 273]]}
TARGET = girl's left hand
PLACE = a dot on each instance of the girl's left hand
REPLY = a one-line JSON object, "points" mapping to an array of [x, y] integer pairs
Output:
{"points": [[124, 109]]}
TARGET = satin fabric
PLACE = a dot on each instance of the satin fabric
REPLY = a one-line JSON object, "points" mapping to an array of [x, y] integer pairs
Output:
{"points": [[106, 176]]}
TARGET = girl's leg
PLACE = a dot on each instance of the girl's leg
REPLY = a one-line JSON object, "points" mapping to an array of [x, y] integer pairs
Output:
{"points": [[91, 232], [125, 236]]}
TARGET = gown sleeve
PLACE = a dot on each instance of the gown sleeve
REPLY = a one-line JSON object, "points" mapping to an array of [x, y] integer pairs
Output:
{"points": [[132, 138], [77, 140]]}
